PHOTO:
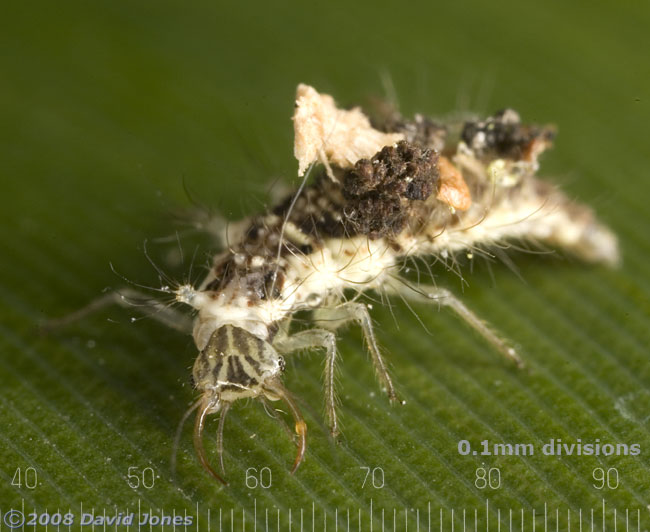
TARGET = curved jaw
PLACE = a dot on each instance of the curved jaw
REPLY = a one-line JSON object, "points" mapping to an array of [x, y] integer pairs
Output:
{"points": [[273, 390], [198, 437]]}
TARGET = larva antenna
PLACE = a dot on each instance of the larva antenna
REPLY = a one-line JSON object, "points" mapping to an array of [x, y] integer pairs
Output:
{"points": [[179, 431]]}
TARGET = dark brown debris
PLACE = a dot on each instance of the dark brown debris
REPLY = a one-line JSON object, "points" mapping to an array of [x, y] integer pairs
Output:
{"points": [[421, 130], [379, 191], [503, 135]]}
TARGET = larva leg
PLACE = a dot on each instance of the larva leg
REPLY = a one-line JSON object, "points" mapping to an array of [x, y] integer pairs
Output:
{"points": [[442, 296], [334, 317], [310, 339], [127, 298]]}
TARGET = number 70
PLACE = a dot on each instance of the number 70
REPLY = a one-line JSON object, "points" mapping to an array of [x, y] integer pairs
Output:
{"points": [[376, 476]]}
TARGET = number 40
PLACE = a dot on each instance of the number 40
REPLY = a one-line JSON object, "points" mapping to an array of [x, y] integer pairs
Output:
{"points": [[28, 478]]}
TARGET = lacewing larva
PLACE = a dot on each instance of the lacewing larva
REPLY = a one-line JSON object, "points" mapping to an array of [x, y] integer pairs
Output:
{"points": [[387, 192]]}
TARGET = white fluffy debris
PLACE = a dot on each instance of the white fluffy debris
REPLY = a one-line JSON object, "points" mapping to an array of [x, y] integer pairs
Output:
{"points": [[327, 134]]}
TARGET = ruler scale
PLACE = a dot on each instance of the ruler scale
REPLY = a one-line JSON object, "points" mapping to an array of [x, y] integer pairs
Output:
{"points": [[427, 518]]}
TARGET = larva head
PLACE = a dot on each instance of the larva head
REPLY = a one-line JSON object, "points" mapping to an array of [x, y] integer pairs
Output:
{"points": [[236, 364]]}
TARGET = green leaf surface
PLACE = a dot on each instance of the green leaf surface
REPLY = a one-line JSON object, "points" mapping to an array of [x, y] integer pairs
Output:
{"points": [[111, 112]]}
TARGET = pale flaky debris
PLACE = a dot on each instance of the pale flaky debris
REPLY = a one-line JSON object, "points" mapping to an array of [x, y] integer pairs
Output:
{"points": [[326, 134]]}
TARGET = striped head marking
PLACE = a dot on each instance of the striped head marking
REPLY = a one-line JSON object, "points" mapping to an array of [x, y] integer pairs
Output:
{"points": [[236, 364]]}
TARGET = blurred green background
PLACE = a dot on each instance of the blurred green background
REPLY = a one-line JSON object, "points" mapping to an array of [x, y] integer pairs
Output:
{"points": [[112, 111]]}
